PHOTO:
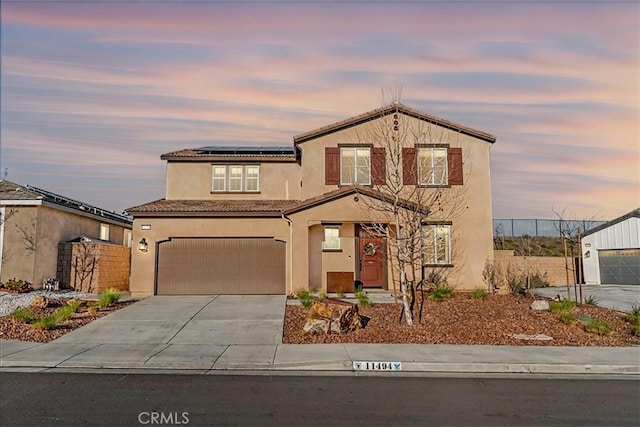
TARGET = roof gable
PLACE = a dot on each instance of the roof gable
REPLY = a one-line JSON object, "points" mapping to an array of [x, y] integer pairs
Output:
{"points": [[384, 111], [633, 214]]}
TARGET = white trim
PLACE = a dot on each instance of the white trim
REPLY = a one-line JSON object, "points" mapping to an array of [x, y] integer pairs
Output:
{"points": [[20, 202]]}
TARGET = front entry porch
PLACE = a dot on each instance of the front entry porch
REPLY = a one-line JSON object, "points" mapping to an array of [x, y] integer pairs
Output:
{"points": [[346, 256]]}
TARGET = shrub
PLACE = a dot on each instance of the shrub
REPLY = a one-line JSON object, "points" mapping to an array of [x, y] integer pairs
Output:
{"points": [[340, 293], [441, 292], [322, 294], [564, 310], [66, 311], [591, 300], [491, 275], [363, 299], [598, 327], [634, 318], [46, 322], [514, 279], [435, 279], [23, 315], [306, 297], [108, 297], [478, 293], [16, 285]]}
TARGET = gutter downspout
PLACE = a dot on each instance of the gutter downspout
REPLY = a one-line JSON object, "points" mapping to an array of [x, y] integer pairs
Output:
{"points": [[290, 249]]}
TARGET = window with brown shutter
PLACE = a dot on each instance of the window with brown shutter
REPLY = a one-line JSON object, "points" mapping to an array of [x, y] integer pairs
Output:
{"points": [[409, 166], [378, 166], [331, 166], [454, 158]]}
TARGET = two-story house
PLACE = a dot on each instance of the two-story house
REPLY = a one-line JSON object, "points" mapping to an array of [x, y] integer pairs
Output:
{"points": [[272, 220]]}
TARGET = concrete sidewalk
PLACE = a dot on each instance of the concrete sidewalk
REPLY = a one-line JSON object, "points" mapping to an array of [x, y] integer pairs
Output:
{"points": [[321, 357]]}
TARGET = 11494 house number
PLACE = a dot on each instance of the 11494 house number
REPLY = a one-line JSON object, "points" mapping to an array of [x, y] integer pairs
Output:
{"points": [[377, 366]]}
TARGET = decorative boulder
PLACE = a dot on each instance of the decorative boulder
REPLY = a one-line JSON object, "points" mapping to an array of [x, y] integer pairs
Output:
{"points": [[540, 305], [43, 302], [331, 315]]}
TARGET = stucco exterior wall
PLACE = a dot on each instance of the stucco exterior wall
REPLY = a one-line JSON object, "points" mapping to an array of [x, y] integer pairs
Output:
{"points": [[142, 278], [49, 226], [193, 181]]}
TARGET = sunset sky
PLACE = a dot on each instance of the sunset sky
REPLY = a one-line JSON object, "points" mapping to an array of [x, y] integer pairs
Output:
{"points": [[93, 92]]}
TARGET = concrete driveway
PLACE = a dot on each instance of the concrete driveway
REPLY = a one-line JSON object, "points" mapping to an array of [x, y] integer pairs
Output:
{"points": [[213, 320], [616, 297]]}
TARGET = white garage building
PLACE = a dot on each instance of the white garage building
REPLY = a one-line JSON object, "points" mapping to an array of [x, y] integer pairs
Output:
{"points": [[611, 252]]}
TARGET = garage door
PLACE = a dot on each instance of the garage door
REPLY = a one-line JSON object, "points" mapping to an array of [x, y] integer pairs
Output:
{"points": [[619, 267], [249, 266]]}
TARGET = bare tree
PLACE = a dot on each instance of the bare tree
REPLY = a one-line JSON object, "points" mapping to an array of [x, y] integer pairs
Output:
{"points": [[401, 211], [84, 265]]}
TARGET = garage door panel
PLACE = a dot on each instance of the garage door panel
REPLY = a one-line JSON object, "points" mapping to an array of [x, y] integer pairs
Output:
{"points": [[221, 266], [620, 267]]}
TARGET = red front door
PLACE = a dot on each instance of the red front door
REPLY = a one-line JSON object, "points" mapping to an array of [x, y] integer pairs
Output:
{"points": [[371, 262]]}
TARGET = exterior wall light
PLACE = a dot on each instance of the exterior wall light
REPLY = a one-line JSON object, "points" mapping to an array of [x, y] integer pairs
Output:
{"points": [[143, 245]]}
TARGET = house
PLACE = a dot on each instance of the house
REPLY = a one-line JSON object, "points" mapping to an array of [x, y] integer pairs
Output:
{"points": [[273, 220], [611, 251], [33, 222]]}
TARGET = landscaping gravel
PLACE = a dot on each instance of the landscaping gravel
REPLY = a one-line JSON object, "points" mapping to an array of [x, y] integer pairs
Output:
{"points": [[10, 302]]}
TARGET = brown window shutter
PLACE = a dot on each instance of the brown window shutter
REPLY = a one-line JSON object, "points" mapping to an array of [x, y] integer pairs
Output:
{"points": [[378, 166], [454, 157], [409, 166], [332, 166]]}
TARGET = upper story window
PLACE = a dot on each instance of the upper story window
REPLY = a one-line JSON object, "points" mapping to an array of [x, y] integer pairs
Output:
{"points": [[355, 165], [235, 178], [436, 244], [104, 231], [432, 166]]}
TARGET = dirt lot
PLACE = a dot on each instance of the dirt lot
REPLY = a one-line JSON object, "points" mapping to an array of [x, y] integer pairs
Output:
{"points": [[462, 320]]}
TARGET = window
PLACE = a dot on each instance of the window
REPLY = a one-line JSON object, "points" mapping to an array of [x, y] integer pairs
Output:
{"points": [[219, 178], [432, 166], [436, 244], [127, 239], [331, 238], [104, 231], [355, 166], [235, 178]]}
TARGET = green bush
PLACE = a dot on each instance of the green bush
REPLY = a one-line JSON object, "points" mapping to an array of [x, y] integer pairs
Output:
{"points": [[566, 316], [66, 311], [108, 297], [562, 305], [634, 318], [306, 297], [363, 299], [46, 322], [340, 293], [23, 315], [598, 327], [478, 293], [591, 300], [322, 294], [16, 285], [441, 292]]}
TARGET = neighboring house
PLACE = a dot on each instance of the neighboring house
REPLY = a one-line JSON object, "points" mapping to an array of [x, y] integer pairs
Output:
{"points": [[611, 252], [33, 222], [272, 220]]}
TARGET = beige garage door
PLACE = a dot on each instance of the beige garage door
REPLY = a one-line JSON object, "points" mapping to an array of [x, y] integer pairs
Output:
{"points": [[247, 266]]}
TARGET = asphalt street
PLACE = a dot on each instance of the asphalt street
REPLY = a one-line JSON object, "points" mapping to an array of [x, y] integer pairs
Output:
{"points": [[106, 399]]}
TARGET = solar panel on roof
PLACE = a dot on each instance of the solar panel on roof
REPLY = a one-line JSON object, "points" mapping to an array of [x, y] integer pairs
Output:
{"points": [[245, 150]]}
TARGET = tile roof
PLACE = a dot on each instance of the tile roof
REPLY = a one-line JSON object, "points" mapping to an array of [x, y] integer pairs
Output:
{"points": [[217, 207], [11, 191], [163, 207], [383, 111]]}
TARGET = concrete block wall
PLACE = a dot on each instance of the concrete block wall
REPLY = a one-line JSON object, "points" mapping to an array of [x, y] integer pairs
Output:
{"points": [[110, 269], [553, 266]]}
